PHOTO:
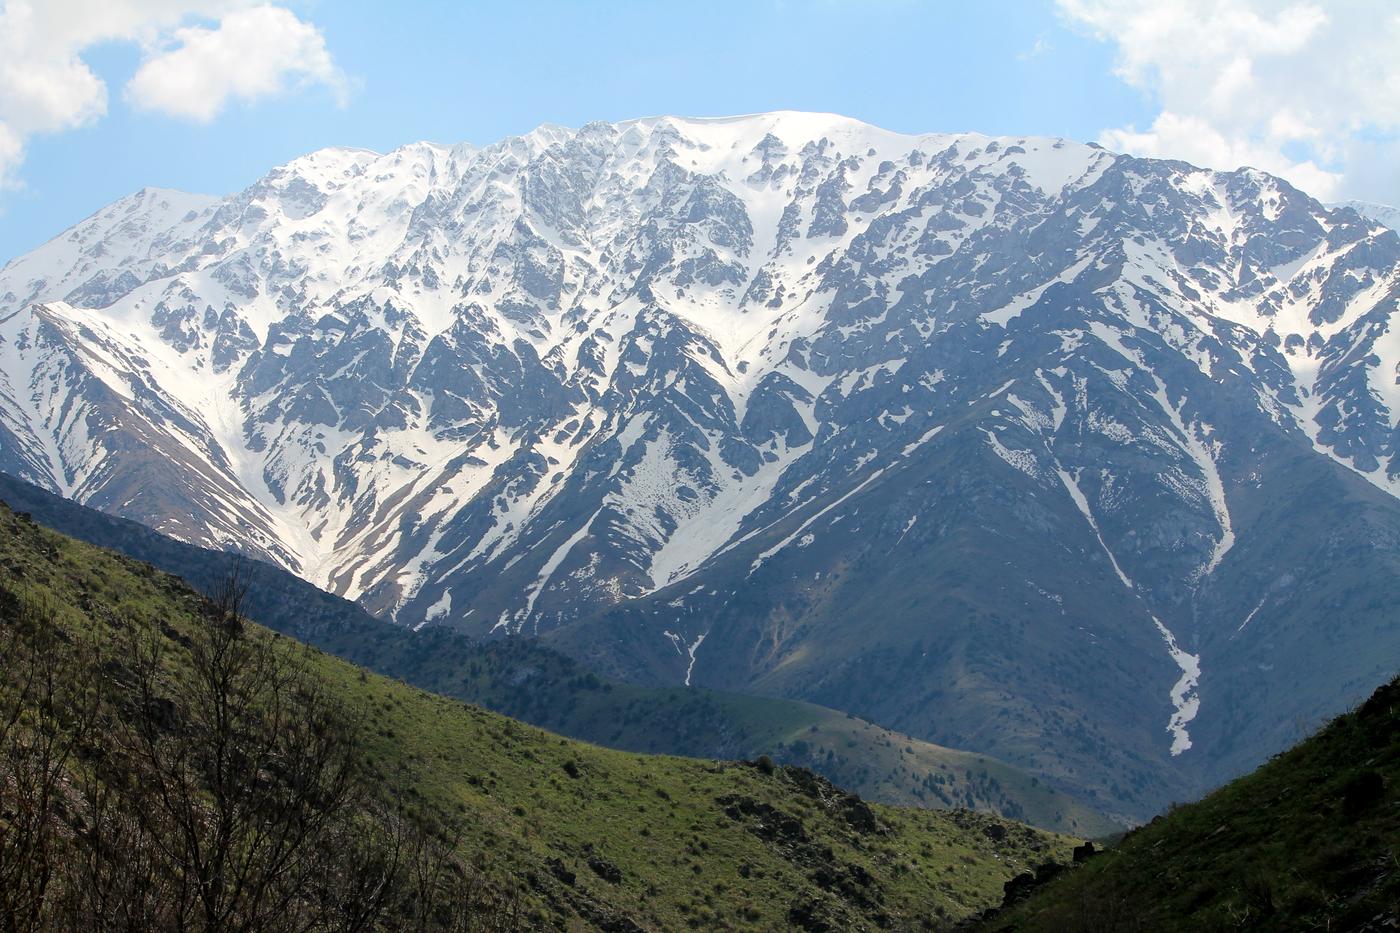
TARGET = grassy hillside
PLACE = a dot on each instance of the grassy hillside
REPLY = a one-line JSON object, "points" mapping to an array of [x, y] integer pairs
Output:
{"points": [[577, 835], [526, 681], [552, 691], [1309, 841]]}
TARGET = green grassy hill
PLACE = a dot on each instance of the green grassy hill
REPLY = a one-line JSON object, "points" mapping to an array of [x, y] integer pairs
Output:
{"points": [[876, 763], [527, 681], [575, 835], [1309, 841]]}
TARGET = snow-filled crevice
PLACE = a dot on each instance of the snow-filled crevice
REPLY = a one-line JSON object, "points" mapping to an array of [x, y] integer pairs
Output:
{"points": [[1185, 700], [758, 561], [532, 592], [686, 651]]}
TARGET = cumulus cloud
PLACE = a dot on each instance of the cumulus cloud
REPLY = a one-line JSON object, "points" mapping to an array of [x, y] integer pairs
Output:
{"points": [[1304, 89], [252, 53], [46, 86]]}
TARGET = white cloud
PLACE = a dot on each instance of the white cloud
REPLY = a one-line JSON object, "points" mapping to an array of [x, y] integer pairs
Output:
{"points": [[253, 53], [1038, 48], [47, 87], [11, 149], [1302, 88], [1196, 140]]}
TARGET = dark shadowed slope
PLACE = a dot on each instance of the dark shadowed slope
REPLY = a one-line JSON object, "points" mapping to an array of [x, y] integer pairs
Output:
{"points": [[1309, 841]]}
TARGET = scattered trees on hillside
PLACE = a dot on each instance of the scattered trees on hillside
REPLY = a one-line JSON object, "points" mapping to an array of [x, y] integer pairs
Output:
{"points": [[202, 780]]}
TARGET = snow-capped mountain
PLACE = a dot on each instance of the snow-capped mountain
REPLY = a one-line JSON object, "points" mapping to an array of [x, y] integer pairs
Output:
{"points": [[1381, 213], [1011, 443]]}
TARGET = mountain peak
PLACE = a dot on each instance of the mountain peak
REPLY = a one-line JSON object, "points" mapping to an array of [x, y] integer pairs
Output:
{"points": [[769, 402]]}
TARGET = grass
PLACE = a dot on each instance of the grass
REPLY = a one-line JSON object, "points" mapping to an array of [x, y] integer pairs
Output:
{"points": [[877, 763], [592, 837], [527, 681], [1309, 841]]}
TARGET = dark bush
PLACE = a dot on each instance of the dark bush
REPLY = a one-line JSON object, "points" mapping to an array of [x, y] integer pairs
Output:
{"points": [[1362, 791]]}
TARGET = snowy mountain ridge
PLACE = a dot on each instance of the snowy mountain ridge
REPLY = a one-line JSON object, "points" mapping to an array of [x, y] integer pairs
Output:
{"points": [[352, 219], [683, 394], [1381, 213]]}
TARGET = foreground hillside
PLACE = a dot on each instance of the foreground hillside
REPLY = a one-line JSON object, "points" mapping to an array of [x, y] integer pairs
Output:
{"points": [[565, 833], [1310, 841], [526, 681]]}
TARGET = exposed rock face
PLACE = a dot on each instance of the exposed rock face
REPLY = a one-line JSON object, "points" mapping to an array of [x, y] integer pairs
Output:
{"points": [[1014, 444]]}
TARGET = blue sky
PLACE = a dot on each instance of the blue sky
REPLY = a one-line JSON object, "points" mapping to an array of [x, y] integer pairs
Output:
{"points": [[387, 74]]}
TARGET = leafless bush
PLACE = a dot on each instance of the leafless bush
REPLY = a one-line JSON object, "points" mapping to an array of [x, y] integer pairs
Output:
{"points": [[202, 781]]}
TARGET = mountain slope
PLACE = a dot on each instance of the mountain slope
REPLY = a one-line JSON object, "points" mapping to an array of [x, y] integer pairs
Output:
{"points": [[529, 682], [1380, 213], [580, 834], [1011, 444], [1307, 842]]}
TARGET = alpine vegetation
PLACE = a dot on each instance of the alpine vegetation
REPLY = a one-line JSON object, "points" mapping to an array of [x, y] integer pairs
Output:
{"points": [[167, 764]]}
